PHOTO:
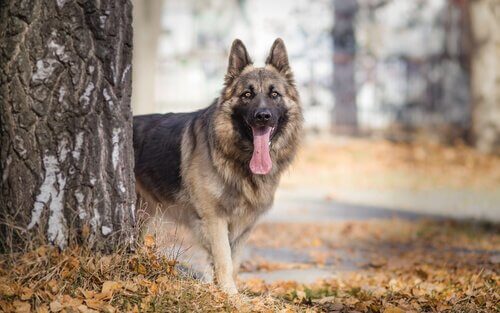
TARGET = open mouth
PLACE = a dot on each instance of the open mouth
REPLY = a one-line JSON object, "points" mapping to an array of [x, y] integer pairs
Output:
{"points": [[261, 163]]}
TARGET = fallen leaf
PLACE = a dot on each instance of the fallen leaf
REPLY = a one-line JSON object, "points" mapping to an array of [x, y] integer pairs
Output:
{"points": [[153, 288], [301, 295], [149, 241], [131, 286], [71, 302], [43, 308], [105, 262], [41, 251], [110, 286], [56, 306], [103, 296], [95, 304], [88, 294], [26, 293], [22, 307], [53, 285], [7, 290], [84, 309], [5, 306], [316, 242], [394, 310]]}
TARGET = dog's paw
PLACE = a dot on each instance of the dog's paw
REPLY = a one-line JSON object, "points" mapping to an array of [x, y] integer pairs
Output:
{"points": [[230, 289]]}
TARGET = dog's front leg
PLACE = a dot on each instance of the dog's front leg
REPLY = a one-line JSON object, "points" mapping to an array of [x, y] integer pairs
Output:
{"points": [[236, 249], [220, 250]]}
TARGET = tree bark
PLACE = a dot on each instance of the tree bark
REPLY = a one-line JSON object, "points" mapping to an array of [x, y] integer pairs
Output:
{"points": [[485, 74], [66, 157], [345, 114]]}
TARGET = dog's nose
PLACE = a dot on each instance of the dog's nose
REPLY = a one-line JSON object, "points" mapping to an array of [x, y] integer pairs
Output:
{"points": [[263, 115]]}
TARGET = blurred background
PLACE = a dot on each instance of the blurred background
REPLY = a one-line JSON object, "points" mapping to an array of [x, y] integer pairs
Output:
{"points": [[401, 101]]}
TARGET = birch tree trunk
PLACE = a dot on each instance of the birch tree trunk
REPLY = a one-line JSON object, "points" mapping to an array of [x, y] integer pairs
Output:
{"points": [[345, 114], [66, 157], [147, 23], [485, 73]]}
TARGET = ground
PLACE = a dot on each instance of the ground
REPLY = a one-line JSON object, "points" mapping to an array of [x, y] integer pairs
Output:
{"points": [[358, 226]]}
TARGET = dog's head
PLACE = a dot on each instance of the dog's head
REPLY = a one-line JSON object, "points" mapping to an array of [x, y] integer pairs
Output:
{"points": [[262, 105]]}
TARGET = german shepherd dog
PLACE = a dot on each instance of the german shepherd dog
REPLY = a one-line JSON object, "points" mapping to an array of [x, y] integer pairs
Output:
{"points": [[216, 170]]}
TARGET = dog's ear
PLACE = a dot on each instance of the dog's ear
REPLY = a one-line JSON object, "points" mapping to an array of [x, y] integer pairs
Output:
{"points": [[278, 58], [238, 60]]}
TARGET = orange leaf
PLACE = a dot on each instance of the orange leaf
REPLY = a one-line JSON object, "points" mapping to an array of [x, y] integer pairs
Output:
{"points": [[7, 290], [149, 241], [22, 307], [43, 308], [88, 294], [56, 306], [394, 310], [26, 293], [110, 286]]}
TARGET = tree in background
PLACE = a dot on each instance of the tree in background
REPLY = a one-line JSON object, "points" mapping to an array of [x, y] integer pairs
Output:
{"points": [[66, 158], [344, 84], [147, 26], [485, 73]]}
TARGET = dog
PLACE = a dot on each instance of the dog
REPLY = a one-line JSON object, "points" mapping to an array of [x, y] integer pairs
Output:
{"points": [[216, 170]]}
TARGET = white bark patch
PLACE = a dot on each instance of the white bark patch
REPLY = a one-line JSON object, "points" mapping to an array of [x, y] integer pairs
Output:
{"points": [[51, 195], [57, 50], [91, 69], [121, 187], [20, 146], [63, 150], [102, 20], [106, 230], [85, 98], [44, 68], [108, 99], [113, 73], [95, 221], [115, 140], [82, 214], [132, 210], [79, 200], [5, 173], [125, 72], [62, 93], [60, 3], [46, 190], [78, 146]]}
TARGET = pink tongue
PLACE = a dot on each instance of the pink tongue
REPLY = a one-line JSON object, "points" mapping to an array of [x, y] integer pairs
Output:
{"points": [[261, 163]]}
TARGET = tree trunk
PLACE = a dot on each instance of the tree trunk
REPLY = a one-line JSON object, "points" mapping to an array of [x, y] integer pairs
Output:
{"points": [[485, 73], [345, 114], [147, 26], [66, 157]]}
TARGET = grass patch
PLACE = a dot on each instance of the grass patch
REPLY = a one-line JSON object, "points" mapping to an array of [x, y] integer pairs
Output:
{"points": [[80, 280]]}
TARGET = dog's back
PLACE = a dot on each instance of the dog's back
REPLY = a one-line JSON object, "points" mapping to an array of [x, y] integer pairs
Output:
{"points": [[157, 146]]}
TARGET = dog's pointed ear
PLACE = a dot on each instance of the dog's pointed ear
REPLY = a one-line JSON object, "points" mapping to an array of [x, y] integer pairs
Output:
{"points": [[278, 58], [238, 60]]}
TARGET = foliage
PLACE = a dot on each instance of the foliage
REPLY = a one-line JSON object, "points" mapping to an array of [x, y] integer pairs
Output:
{"points": [[79, 280]]}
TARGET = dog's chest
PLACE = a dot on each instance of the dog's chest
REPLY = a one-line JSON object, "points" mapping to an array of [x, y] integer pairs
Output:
{"points": [[238, 201]]}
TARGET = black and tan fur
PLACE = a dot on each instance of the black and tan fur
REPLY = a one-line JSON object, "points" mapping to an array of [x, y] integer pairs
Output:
{"points": [[196, 165]]}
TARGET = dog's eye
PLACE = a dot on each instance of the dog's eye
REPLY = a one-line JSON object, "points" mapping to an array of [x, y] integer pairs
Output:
{"points": [[274, 95], [247, 95]]}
